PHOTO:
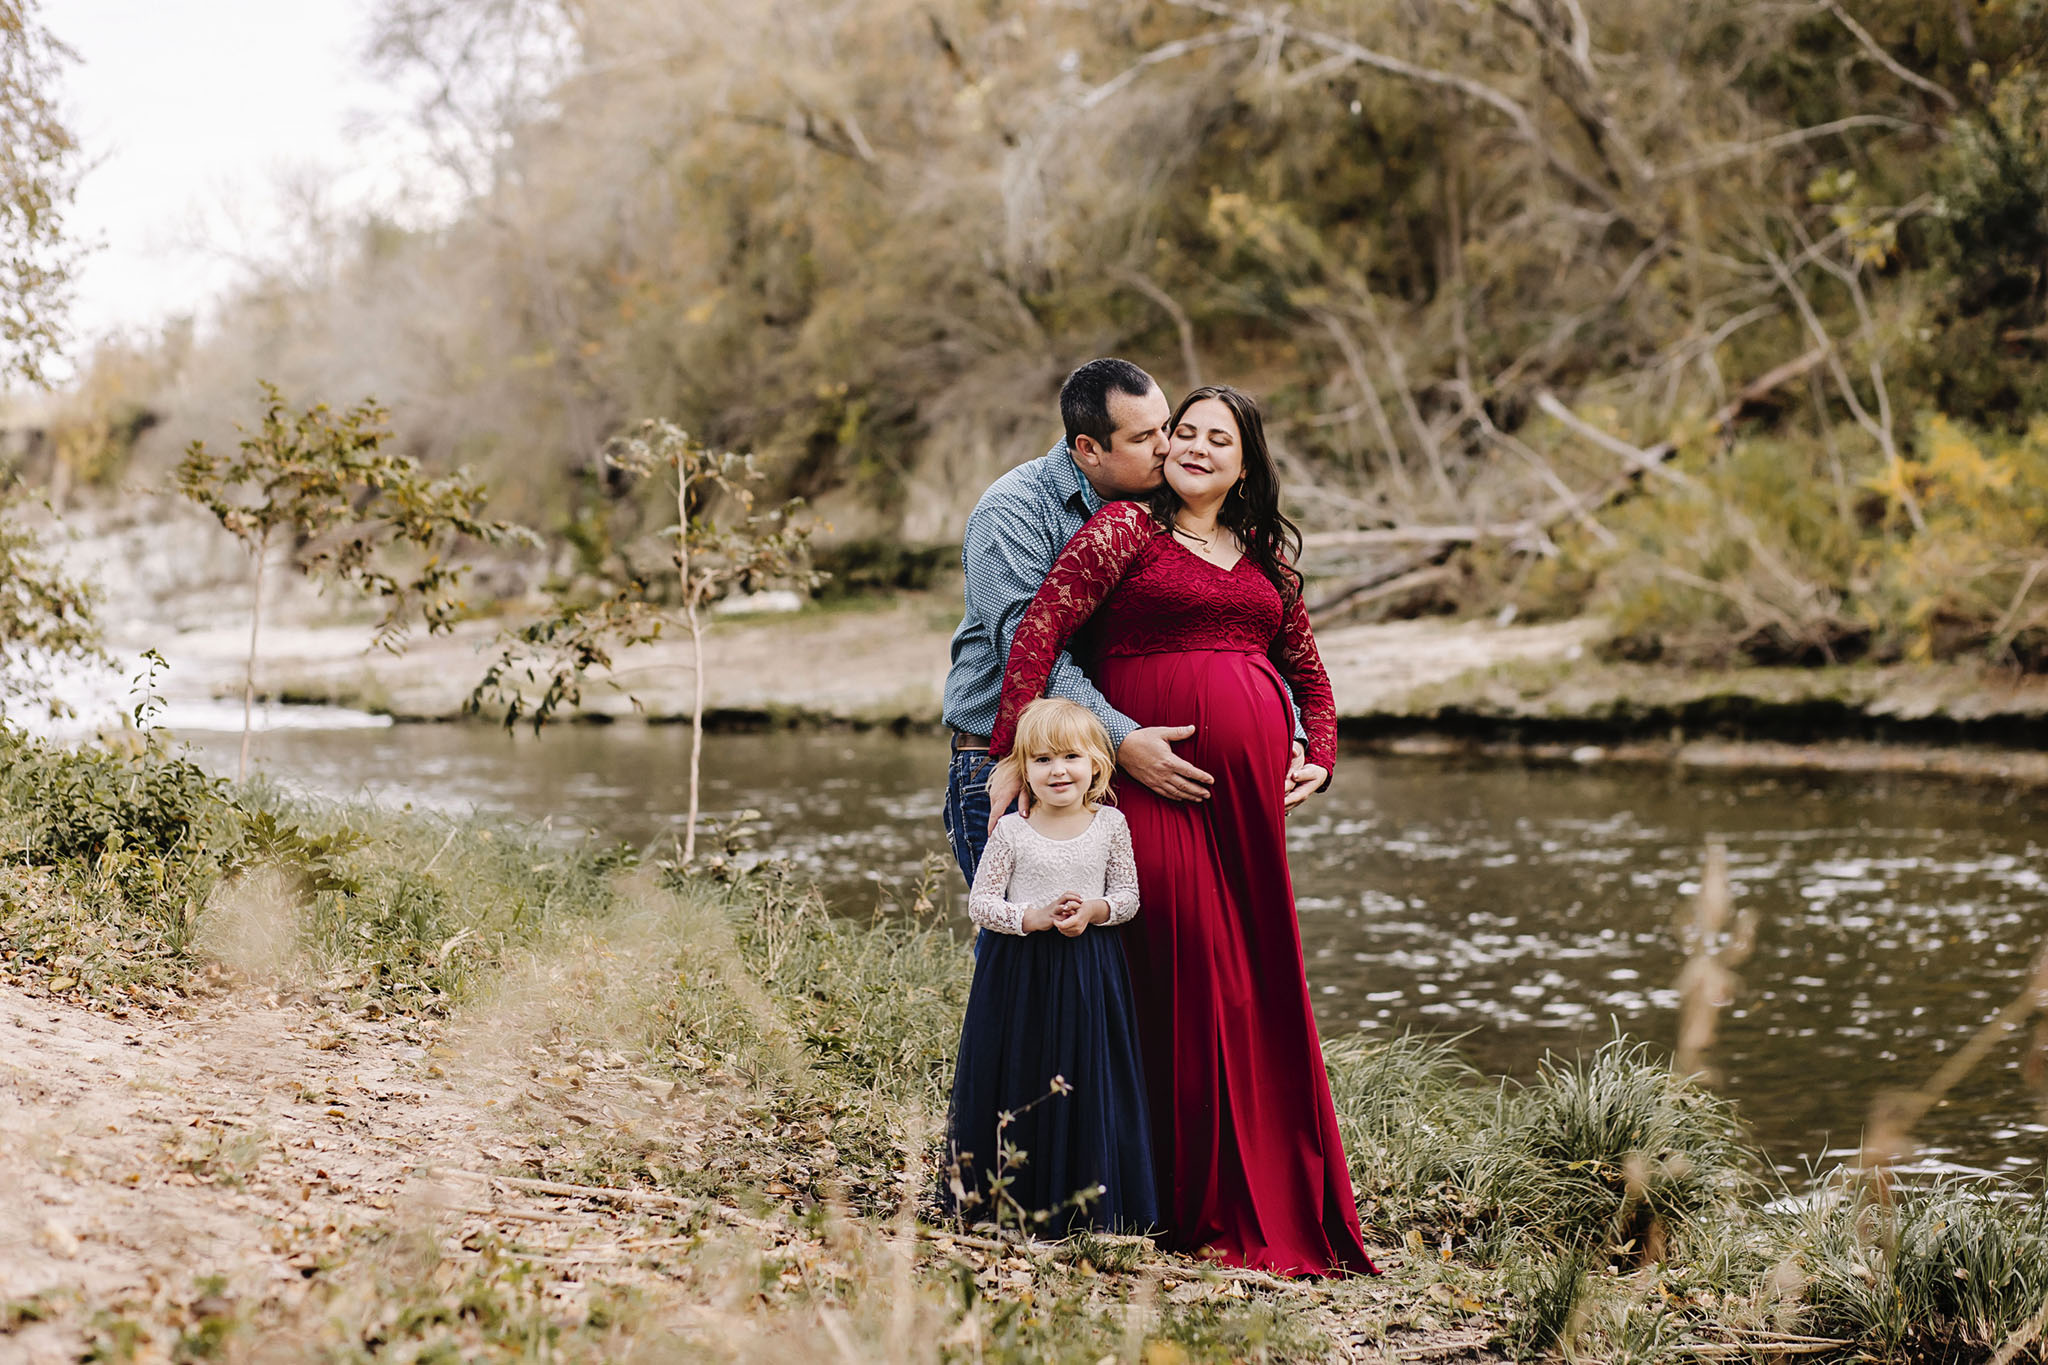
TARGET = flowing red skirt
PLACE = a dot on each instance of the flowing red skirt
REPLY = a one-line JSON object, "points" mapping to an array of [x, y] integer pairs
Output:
{"points": [[1249, 1164]]}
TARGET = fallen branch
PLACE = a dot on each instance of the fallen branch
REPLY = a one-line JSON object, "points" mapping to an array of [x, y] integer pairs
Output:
{"points": [[1648, 460], [616, 1195], [1445, 1347], [1766, 1335], [1378, 587], [1422, 570], [1764, 385], [1397, 372], [2010, 625], [1416, 535]]}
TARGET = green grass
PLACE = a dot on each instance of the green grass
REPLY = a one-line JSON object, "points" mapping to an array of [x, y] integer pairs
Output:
{"points": [[1942, 1274]]}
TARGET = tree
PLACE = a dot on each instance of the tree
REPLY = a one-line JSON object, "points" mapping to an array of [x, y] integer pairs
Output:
{"points": [[38, 175], [1474, 258], [325, 484], [711, 556], [46, 619]]}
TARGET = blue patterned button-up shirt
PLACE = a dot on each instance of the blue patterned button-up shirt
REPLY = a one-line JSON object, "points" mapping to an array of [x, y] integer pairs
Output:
{"points": [[1013, 536]]}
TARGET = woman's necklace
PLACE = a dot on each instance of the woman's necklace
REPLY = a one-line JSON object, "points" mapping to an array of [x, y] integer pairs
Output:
{"points": [[1211, 547]]}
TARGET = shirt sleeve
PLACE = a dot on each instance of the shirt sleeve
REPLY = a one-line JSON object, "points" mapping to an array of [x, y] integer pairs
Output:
{"points": [[1294, 654], [988, 904], [1004, 545], [1092, 564], [1120, 879]]}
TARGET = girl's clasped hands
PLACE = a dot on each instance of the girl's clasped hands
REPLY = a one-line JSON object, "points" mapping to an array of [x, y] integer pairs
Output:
{"points": [[1070, 912]]}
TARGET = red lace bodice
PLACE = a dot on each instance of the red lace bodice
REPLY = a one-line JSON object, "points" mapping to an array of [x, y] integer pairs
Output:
{"points": [[1148, 594]]}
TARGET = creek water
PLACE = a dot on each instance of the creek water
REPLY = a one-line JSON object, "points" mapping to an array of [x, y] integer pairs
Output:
{"points": [[1528, 910]]}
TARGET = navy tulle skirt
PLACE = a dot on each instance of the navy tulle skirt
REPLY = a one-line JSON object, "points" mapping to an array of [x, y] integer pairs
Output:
{"points": [[1042, 1006]]}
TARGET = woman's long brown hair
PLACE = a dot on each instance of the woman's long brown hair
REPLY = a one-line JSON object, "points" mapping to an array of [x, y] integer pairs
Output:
{"points": [[1251, 510]]}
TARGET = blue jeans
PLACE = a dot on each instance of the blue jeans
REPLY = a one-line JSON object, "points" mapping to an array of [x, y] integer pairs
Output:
{"points": [[967, 808]]}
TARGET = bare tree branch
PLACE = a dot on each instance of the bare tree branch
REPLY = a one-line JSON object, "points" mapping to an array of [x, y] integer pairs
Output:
{"points": [[1562, 330], [1806, 595], [1885, 59], [1583, 94], [1966, 32], [2010, 624], [1523, 121], [1165, 52], [1582, 35], [857, 137], [1397, 371], [1189, 360], [1765, 384], [1368, 396], [1880, 432], [1647, 461], [1722, 156], [1573, 504]]}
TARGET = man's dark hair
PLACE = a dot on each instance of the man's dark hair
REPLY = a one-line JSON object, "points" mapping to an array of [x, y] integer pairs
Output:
{"points": [[1084, 398]]}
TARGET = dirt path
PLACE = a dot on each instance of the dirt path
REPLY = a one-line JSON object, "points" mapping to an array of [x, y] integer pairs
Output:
{"points": [[167, 1177], [161, 1169]]}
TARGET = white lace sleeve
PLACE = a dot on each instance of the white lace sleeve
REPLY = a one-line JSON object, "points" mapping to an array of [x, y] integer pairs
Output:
{"points": [[1120, 879], [988, 904]]}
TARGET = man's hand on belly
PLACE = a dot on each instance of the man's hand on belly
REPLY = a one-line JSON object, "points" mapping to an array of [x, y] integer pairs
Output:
{"points": [[1148, 756]]}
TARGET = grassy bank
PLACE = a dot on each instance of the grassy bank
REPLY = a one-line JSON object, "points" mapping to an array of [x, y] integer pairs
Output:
{"points": [[1604, 1209]]}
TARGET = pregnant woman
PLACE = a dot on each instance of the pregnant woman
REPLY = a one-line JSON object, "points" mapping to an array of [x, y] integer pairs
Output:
{"points": [[1194, 616]]}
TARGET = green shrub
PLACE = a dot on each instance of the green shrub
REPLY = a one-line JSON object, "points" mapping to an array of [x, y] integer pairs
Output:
{"points": [[1772, 557], [71, 805], [1610, 1154], [1613, 1152], [1943, 1274]]}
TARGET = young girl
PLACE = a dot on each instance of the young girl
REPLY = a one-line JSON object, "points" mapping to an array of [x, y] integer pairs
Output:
{"points": [[1049, 1038]]}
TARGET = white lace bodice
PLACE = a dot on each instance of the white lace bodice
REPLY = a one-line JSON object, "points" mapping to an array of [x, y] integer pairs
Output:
{"points": [[1022, 868]]}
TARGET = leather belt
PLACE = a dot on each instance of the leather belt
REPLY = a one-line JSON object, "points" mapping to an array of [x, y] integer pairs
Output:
{"points": [[966, 743]]}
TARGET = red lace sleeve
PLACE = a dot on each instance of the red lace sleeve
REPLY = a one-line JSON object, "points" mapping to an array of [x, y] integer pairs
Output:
{"points": [[1093, 563], [1294, 654]]}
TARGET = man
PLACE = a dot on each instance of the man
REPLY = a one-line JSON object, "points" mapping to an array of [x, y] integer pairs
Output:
{"points": [[1115, 448]]}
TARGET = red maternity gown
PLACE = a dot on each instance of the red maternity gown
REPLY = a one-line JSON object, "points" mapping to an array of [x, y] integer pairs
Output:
{"points": [[1250, 1167]]}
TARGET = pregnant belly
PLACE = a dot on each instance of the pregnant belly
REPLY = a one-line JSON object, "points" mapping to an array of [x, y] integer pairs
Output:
{"points": [[1234, 700]]}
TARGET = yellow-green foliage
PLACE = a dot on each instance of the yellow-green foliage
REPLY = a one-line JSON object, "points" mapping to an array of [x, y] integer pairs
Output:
{"points": [[1788, 549], [1977, 576]]}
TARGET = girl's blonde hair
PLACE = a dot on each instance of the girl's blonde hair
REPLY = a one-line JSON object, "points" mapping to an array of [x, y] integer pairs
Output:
{"points": [[1054, 725]]}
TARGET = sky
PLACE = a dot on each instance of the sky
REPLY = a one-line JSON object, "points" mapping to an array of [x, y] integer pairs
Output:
{"points": [[193, 114]]}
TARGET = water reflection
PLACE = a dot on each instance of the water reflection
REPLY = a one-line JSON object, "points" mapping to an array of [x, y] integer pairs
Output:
{"points": [[1526, 909]]}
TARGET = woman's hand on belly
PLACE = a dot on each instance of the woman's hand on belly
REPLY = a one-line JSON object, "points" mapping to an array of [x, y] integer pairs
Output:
{"points": [[1304, 780]]}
